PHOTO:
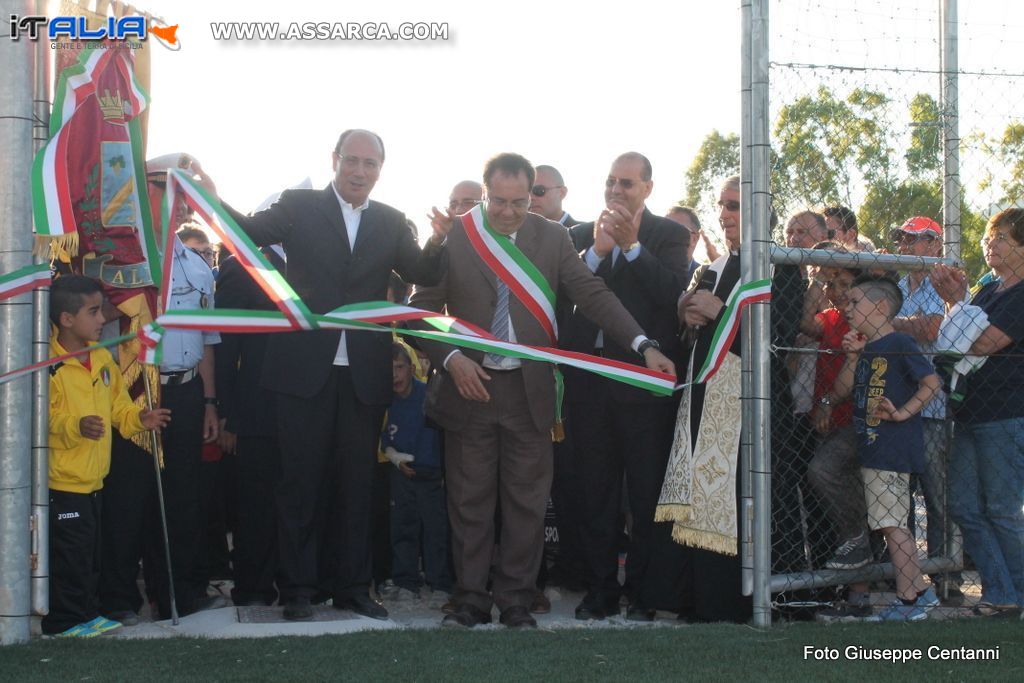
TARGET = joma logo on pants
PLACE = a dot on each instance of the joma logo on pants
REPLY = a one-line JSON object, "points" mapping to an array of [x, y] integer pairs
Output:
{"points": [[67, 515]]}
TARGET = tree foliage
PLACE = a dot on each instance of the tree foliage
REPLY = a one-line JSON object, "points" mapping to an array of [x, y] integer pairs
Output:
{"points": [[829, 149], [717, 158]]}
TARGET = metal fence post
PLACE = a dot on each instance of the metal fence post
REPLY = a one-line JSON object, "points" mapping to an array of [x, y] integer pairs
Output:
{"points": [[15, 330], [951, 189], [757, 268], [40, 564]]}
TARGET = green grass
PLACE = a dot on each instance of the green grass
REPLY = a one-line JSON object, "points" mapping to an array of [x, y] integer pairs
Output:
{"points": [[702, 653]]}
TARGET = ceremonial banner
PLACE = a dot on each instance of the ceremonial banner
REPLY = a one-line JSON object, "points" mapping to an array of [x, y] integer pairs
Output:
{"points": [[90, 202]]}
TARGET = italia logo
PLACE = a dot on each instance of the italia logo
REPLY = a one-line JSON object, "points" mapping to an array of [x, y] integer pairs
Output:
{"points": [[131, 27], [67, 515]]}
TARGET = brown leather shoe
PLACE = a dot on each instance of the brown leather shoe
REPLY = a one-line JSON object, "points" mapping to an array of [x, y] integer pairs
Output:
{"points": [[466, 616], [517, 616], [450, 607], [540, 603]]}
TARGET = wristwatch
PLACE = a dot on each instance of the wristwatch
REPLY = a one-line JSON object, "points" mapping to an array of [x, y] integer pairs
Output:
{"points": [[647, 344], [210, 401], [631, 247]]}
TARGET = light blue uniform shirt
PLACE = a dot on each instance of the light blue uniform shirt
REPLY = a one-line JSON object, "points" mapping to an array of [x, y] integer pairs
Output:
{"points": [[191, 286], [925, 301]]}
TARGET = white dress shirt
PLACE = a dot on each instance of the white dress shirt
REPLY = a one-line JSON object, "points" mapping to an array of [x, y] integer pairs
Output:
{"points": [[352, 215]]}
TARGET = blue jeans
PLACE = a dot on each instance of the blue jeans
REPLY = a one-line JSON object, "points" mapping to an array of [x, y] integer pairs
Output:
{"points": [[986, 499]]}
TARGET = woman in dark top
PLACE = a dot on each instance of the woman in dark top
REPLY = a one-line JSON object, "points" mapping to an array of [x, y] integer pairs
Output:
{"points": [[987, 462]]}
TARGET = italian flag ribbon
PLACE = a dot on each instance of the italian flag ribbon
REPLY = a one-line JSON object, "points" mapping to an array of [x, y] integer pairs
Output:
{"points": [[51, 196], [741, 297], [24, 280], [513, 268], [247, 253], [372, 316], [56, 360]]}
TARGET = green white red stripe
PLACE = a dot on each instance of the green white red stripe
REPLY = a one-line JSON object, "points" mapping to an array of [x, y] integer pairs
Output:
{"points": [[729, 325], [247, 253], [51, 196], [24, 280], [510, 264], [41, 365], [368, 316], [149, 338]]}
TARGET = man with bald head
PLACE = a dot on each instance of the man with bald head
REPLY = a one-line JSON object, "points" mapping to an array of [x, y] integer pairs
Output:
{"points": [[465, 195], [333, 387], [621, 432], [547, 194]]}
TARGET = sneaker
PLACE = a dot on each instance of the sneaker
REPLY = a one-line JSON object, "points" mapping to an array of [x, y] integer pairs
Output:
{"points": [[103, 625], [898, 611], [853, 554], [842, 613], [79, 631]]}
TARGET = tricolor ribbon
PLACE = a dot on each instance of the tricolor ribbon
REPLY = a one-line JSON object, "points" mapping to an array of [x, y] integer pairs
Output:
{"points": [[741, 297], [510, 264], [24, 280], [51, 194], [370, 316]]}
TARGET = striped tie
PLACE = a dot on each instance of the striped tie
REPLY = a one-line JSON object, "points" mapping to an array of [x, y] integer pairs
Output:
{"points": [[499, 324]]}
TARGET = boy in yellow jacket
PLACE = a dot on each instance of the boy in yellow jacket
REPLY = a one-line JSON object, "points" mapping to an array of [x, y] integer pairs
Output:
{"points": [[87, 397]]}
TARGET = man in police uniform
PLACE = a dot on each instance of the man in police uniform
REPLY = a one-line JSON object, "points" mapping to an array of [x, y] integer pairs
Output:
{"points": [[132, 516]]}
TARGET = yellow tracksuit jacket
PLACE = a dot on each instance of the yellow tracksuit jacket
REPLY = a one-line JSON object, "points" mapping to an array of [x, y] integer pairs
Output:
{"points": [[78, 464]]}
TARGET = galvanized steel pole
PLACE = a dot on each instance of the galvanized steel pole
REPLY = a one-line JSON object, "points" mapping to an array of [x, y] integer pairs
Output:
{"points": [[756, 338], [15, 330], [950, 130], [745, 521], [40, 550]]}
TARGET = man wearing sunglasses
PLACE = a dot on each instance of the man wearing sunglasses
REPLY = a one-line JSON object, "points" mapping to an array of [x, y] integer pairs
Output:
{"points": [[618, 430], [920, 317], [547, 194]]}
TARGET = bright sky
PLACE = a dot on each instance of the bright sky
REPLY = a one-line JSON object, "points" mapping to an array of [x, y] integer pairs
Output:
{"points": [[568, 84]]}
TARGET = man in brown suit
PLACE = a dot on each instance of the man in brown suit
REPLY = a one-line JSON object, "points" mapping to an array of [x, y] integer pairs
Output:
{"points": [[498, 411]]}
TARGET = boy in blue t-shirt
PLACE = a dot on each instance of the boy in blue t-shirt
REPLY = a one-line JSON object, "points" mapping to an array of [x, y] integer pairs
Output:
{"points": [[417, 484], [891, 383]]}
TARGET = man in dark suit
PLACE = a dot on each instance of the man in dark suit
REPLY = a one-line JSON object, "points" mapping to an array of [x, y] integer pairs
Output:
{"points": [[333, 387], [617, 428], [547, 194], [498, 411], [249, 431]]}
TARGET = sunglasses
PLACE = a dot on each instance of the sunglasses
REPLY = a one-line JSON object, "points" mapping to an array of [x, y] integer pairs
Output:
{"points": [[540, 190], [731, 205]]}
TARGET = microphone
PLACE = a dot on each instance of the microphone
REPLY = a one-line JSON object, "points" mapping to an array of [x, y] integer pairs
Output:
{"points": [[707, 282]]}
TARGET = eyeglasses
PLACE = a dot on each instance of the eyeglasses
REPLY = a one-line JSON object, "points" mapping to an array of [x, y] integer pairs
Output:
{"points": [[499, 203], [731, 205], [206, 253], [626, 183], [540, 190], [463, 203], [997, 237], [905, 238]]}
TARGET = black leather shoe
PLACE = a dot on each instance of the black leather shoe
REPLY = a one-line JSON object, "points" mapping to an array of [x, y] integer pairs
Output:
{"points": [[363, 605], [466, 616], [637, 611], [518, 616], [597, 607], [298, 609]]}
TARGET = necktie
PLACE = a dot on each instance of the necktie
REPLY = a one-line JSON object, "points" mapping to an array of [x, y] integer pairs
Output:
{"points": [[499, 324]]}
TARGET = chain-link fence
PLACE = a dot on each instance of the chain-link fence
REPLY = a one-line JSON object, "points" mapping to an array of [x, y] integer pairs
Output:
{"points": [[897, 482]]}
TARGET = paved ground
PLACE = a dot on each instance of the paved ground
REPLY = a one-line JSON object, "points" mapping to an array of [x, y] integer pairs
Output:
{"points": [[424, 613]]}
